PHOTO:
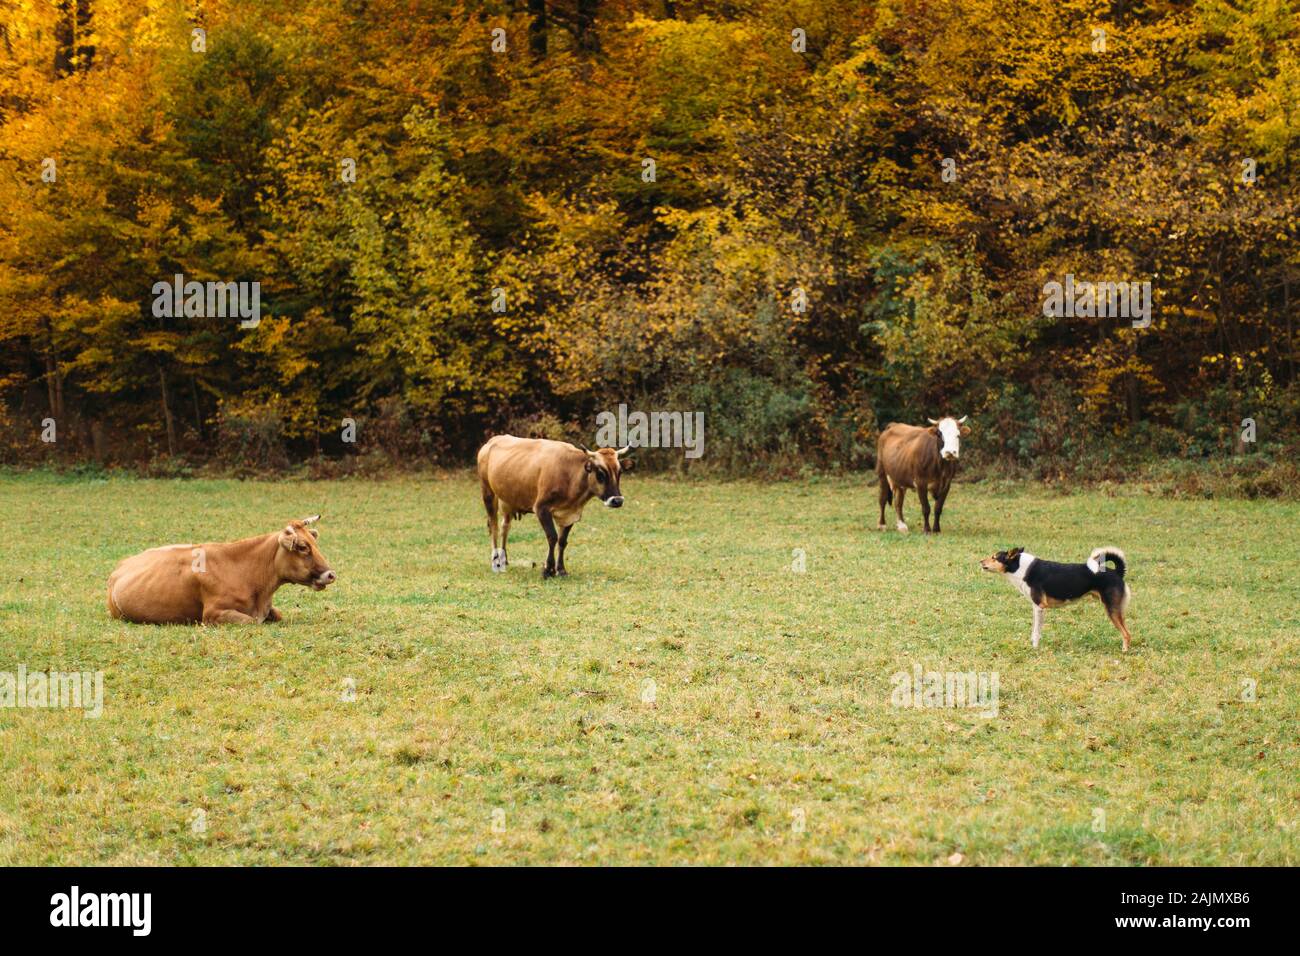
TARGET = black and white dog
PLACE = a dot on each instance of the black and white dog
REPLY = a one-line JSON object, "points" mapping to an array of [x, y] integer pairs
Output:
{"points": [[1051, 583]]}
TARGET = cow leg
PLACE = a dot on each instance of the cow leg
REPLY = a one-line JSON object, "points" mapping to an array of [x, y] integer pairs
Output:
{"points": [[885, 496], [925, 506], [212, 615], [273, 616], [940, 496], [899, 493], [564, 543], [548, 525], [505, 534], [490, 504]]}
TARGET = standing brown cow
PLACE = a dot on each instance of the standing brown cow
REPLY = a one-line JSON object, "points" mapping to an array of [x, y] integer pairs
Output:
{"points": [[552, 479], [910, 456], [222, 583]]}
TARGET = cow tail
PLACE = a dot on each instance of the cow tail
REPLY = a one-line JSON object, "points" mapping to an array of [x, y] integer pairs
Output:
{"points": [[1100, 556], [885, 488]]}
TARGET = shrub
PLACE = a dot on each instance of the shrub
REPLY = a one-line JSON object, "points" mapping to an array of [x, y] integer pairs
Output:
{"points": [[250, 437]]}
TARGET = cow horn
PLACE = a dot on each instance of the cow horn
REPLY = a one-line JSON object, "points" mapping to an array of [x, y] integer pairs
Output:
{"points": [[962, 420], [622, 451], [932, 421], [584, 448], [312, 520]]}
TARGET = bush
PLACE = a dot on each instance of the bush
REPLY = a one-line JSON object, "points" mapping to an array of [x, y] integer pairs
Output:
{"points": [[546, 425], [398, 433], [751, 423], [250, 438]]}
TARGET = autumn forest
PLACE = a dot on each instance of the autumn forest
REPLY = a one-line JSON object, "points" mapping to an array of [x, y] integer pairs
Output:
{"points": [[428, 222]]}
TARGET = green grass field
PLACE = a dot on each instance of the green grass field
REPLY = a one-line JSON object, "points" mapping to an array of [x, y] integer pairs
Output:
{"points": [[500, 719]]}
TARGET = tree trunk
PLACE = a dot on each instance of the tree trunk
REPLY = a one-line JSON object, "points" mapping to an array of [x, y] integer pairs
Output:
{"points": [[71, 53], [586, 25], [98, 440], [167, 413], [198, 414], [1286, 310], [537, 28], [50, 370]]}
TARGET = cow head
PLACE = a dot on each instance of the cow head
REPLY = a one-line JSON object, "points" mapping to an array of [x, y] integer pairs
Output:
{"points": [[299, 559], [949, 431], [1004, 562], [603, 470]]}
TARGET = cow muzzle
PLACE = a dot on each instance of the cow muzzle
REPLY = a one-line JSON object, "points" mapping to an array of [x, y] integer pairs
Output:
{"points": [[950, 456], [614, 501], [323, 580]]}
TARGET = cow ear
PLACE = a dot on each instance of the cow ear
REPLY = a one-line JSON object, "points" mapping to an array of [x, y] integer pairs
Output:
{"points": [[588, 466], [313, 532], [964, 430], [627, 465], [288, 538]]}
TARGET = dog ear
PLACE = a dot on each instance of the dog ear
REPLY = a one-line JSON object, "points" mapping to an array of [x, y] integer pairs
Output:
{"points": [[1014, 552]]}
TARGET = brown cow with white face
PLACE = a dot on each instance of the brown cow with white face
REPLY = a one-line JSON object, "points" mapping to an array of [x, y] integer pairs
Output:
{"points": [[910, 456], [225, 582], [551, 479]]}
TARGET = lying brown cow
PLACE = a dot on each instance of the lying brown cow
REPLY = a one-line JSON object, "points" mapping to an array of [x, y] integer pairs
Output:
{"points": [[909, 456], [552, 479], [227, 582]]}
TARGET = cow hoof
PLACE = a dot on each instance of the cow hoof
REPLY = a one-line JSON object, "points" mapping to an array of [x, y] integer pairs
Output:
{"points": [[902, 527], [547, 573], [881, 526], [562, 573]]}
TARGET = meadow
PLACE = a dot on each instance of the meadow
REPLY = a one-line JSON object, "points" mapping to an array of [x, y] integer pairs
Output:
{"points": [[684, 696]]}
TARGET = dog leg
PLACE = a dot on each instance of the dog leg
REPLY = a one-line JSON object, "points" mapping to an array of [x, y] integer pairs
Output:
{"points": [[1116, 603], [1117, 618], [1038, 624]]}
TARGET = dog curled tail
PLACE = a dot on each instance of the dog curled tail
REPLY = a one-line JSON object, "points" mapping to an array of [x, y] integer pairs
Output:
{"points": [[1116, 601], [1097, 560]]}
